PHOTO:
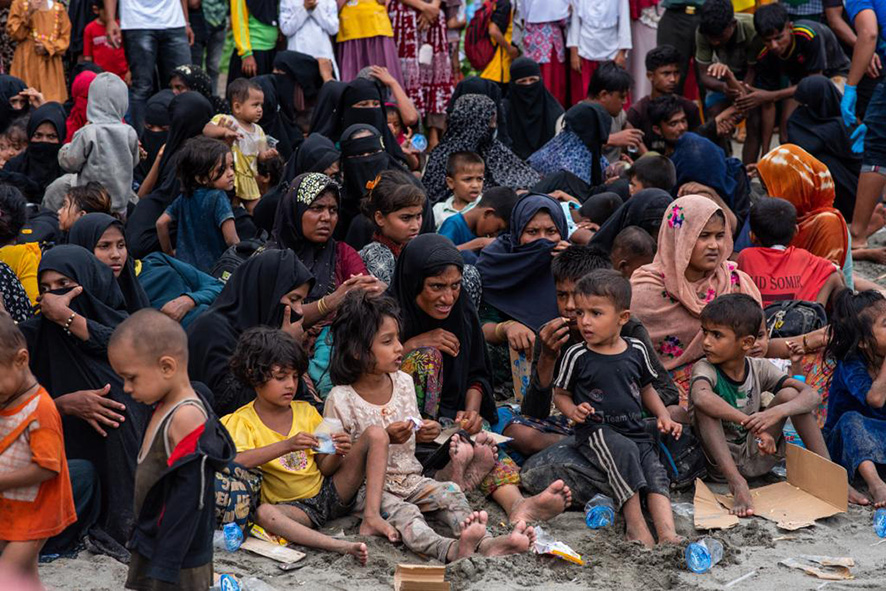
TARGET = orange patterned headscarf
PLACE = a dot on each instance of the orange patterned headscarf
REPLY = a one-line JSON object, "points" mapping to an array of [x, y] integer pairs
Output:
{"points": [[791, 173]]}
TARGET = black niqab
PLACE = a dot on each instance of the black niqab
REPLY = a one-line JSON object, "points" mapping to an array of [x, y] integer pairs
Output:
{"points": [[324, 118], [532, 111], [347, 114], [39, 162], [10, 86], [477, 85], [271, 120]]}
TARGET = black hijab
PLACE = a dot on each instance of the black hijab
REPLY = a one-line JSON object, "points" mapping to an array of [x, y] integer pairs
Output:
{"points": [[39, 162], [264, 11], [477, 85], [425, 256], [347, 115], [197, 80], [189, 112], [271, 119], [86, 232], [250, 298], [323, 119], [644, 209], [592, 124], [156, 114], [319, 259], [817, 127], [532, 111], [10, 86], [517, 278]]}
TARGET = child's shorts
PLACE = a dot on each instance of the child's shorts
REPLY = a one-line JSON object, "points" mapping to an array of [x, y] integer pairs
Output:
{"points": [[325, 506], [749, 460]]}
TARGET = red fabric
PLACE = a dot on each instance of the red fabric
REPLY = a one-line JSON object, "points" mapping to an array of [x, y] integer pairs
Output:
{"points": [[80, 94], [556, 78], [393, 246], [637, 7], [347, 263], [579, 82], [186, 446], [791, 274], [95, 45]]}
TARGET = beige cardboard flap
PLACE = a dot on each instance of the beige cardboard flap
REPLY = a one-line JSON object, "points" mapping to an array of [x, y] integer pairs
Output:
{"points": [[827, 573], [272, 551], [819, 477], [708, 512], [416, 577]]}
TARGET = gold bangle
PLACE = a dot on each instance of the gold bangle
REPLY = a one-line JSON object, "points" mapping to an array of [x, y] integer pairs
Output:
{"points": [[501, 327], [805, 344], [322, 307]]}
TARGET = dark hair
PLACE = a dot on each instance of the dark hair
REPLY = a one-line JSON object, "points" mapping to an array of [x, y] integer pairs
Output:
{"points": [[852, 320], [13, 213], [606, 283], [773, 221], [261, 349], [200, 158], [715, 16], [153, 335], [500, 199], [635, 242], [90, 198], [663, 108], [238, 90], [609, 77], [663, 55], [654, 171], [11, 338], [770, 19], [394, 190], [737, 311], [271, 168], [459, 160], [600, 207], [357, 321], [577, 261]]}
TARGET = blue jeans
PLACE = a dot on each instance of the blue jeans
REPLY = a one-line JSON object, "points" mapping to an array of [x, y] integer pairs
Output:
{"points": [[148, 50]]}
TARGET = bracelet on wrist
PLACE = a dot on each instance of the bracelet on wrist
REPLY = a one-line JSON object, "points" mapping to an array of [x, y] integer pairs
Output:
{"points": [[69, 322], [322, 307]]}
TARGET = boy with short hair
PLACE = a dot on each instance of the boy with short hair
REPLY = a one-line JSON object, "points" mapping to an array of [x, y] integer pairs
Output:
{"points": [[780, 271], [475, 229], [609, 88], [668, 121], [302, 488], [35, 490], [741, 431], [652, 171], [632, 248], [97, 47], [184, 446], [465, 172], [604, 385]]}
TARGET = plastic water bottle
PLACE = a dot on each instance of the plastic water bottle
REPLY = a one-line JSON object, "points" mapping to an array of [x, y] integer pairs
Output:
{"points": [[419, 142], [599, 512], [880, 522], [226, 583], [701, 556], [791, 435], [229, 538]]}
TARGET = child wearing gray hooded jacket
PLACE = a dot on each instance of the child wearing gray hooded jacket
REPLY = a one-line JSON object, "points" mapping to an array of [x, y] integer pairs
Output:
{"points": [[105, 149]]}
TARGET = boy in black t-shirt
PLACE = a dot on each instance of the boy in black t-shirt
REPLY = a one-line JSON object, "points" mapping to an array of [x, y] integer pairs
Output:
{"points": [[603, 385]]}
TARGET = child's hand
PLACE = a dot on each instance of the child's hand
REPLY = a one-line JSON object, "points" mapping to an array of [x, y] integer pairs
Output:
{"points": [[429, 431], [760, 422], [766, 443], [561, 246], [399, 432], [40, 49], [302, 441], [470, 421], [268, 154], [381, 74], [668, 425], [554, 334], [342, 442], [581, 412], [797, 352]]}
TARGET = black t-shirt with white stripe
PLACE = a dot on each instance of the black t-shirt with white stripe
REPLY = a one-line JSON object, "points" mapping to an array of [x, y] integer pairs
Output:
{"points": [[611, 384]]}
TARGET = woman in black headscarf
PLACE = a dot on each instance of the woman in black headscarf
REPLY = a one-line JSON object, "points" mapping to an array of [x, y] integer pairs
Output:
{"points": [[362, 103], [817, 127], [272, 121], [644, 209], [35, 168], [191, 78], [297, 78], [10, 87], [579, 147], [323, 119], [266, 290], [156, 129], [80, 307], [531, 112], [477, 85], [103, 236]]}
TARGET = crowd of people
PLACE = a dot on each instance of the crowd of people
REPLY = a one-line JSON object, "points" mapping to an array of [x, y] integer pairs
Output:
{"points": [[292, 285]]}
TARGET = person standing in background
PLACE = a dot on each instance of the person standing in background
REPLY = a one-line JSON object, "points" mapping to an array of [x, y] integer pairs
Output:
{"points": [[544, 42], [254, 23], [208, 19], [677, 28], [600, 31], [308, 26], [43, 32]]}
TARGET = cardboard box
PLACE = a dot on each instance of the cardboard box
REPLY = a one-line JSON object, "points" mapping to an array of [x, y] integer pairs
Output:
{"points": [[709, 514], [416, 577]]}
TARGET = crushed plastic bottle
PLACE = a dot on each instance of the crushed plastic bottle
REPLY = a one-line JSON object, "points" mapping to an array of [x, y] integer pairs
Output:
{"points": [[419, 142], [229, 538], [226, 583], [880, 522], [701, 556], [255, 584], [599, 512]]}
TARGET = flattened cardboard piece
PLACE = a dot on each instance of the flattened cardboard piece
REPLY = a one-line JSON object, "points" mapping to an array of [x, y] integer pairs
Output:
{"points": [[276, 552], [521, 372], [816, 488], [418, 577], [825, 572], [445, 434], [708, 512]]}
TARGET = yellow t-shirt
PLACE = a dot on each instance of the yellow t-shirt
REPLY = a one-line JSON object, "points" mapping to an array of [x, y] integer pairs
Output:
{"points": [[360, 19], [290, 477], [24, 259]]}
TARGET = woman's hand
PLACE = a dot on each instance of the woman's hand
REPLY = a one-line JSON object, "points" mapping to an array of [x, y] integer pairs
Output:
{"points": [[470, 421], [520, 338], [429, 431], [56, 308], [93, 407], [440, 339], [177, 308], [248, 66], [399, 432], [294, 329]]}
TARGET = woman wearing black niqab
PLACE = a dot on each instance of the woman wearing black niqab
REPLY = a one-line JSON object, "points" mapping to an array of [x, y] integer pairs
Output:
{"points": [[74, 370], [156, 116], [477, 85], [10, 87], [531, 112], [35, 168], [348, 113], [297, 79]]}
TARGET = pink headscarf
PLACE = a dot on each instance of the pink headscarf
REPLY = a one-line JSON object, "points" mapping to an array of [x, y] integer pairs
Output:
{"points": [[80, 93]]}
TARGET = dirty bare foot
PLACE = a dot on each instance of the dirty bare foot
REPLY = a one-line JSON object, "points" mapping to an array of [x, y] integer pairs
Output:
{"points": [[639, 533], [874, 255], [520, 540], [480, 466], [671, 539], [743, 504], [878, 492], [356, 549], [473, 530], [376, 526], [544, 506], [460, 455], [856, 498]]}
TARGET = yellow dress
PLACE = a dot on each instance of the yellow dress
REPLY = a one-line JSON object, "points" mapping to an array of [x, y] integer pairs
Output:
{"points": [[499, 69], [24, 259], [52, 29]]}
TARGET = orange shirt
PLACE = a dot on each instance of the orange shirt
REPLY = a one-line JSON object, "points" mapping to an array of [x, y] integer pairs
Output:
{"points": [[32, 432]]}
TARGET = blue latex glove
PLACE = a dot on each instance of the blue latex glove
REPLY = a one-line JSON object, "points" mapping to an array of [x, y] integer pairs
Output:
{"points": [[857, 138], [847, 105]]}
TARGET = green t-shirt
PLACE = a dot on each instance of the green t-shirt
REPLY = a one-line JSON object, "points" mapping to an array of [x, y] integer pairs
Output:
{"points": [[741, 51]]}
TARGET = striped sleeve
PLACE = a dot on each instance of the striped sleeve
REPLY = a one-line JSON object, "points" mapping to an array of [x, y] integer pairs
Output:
{"points": [[647, 370], [240, 27], [566, 376]]}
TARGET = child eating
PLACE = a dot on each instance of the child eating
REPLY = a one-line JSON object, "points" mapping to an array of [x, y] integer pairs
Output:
{"points": [[603, 385], [302, 488], [464, 177]]}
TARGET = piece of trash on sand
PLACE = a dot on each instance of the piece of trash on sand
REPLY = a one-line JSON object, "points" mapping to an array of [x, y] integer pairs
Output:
{"points": [[683, 509], [419, 577], [545, 544], [784, 538], [273, 551], [734, 582], [823, 567], [708, 514]]}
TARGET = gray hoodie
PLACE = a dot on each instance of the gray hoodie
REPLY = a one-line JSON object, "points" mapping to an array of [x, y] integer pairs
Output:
{"points": [[105, 149]]}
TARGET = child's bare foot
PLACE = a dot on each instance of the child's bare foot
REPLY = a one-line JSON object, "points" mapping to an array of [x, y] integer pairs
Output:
{"points": [[878, 492], [766, 444], [480, 466], [742, 504], [356, 549], [640, 533], [376, 526], [520, 540], [544, 506], [671, 538], [460, 455], [856, 498], [473, 530]]}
